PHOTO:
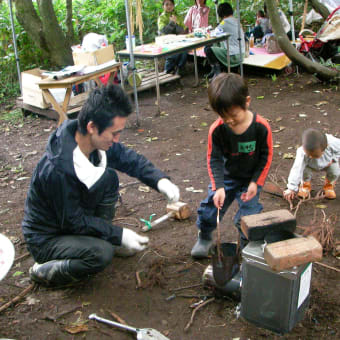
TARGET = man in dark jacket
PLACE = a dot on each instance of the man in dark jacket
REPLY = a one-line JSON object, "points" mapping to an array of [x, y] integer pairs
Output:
{"points": [[71, 199]]}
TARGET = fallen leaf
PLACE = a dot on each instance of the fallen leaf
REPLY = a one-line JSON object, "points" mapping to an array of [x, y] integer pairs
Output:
{"points": [[144, 188], [324, 102], [18, 273], [278, 119], [276, 146], [74, 329], [260, 97], [204, 124], [31, 301], [154, 138], [321, 206], [288, 155], [296, 104], [302, 115]]}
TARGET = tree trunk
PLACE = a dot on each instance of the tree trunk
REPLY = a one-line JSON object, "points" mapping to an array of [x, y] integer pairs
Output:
{"points": [[69, 22], [291, 52], [320, 8], [44, 31]]}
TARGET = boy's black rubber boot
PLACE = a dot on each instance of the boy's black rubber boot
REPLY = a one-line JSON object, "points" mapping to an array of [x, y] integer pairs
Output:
{"points": [[201, 248]]}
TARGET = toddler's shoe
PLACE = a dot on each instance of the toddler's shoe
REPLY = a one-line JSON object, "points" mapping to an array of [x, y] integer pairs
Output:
{"points": [[328, 189], [304, 190]]}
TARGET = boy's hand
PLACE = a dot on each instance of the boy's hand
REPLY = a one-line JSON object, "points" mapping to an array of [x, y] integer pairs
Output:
{"points": [[251, 192], [289, 194], [219, 198]]}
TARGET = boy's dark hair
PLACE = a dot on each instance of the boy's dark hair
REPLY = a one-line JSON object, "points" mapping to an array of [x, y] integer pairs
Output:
{"points": [[313, 139], [173, 2], [260, 13], [224, 10], [204, 2], [227, 90], [103, 104]]}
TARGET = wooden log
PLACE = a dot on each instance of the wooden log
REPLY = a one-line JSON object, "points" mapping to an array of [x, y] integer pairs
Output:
{"points": [[255, 227], [293, 252]]}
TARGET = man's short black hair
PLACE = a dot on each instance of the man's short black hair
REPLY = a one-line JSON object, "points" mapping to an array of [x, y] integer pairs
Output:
{"points": [[227, 90], [224, 10], [103, 104], [313, 139]]}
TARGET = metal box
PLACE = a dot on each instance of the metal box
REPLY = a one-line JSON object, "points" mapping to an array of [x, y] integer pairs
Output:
{"points": [[273, 300]]}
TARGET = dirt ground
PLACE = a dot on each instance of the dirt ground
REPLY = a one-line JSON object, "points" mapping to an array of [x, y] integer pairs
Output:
{"points": [[175, 141]]}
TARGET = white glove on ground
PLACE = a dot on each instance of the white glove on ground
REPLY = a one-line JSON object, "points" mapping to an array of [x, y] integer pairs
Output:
{"points": [[131, 243], [169, 189]]}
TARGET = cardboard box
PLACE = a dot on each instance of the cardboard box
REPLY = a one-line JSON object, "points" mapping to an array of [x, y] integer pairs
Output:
{"points": [[97, 57], [31, 93]]}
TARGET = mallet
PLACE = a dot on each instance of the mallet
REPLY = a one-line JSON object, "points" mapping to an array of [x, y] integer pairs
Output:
{"points": [[178, 210]]}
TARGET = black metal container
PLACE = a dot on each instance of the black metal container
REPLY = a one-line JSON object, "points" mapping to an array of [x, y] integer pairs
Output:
{"points": [[273, 300]]}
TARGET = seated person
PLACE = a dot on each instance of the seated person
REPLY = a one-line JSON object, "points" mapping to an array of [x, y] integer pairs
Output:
{"points": [[74, 189], [217, 56], [169, 22], [197, 16], [261, 26]]}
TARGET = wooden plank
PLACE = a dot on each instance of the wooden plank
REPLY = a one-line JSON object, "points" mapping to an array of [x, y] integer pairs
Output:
{"points": [[49, 113], [152, 82], [293, 252]]}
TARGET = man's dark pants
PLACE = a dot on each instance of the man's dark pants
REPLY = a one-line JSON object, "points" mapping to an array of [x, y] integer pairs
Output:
{"points": [[88, 255]]}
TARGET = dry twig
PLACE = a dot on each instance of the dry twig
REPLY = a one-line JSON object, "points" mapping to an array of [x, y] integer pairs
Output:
{"points": [[18, 297], [327, 266], [319, 196], [194, 312], [117, 317]]}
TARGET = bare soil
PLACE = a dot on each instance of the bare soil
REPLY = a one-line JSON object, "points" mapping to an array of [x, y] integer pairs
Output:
{"points": [[175, 141]]}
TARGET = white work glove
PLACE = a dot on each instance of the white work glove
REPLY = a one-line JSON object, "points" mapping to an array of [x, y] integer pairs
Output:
{"points": [[169, 189], [131, 243]]}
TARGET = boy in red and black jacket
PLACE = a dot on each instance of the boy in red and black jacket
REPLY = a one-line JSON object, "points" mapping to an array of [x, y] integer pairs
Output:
{"points": [[239, 156]]}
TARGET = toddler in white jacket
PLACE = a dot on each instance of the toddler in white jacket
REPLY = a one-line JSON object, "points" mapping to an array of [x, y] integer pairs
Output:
{"points": [[319, 152]]}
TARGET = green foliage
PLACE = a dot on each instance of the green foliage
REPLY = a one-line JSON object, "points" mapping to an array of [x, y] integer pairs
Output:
{"points": [[14, 117], [103, 17]]}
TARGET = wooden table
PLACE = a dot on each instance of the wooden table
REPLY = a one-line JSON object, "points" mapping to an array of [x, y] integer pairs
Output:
{"points": [[46, 84], [146, 52]]}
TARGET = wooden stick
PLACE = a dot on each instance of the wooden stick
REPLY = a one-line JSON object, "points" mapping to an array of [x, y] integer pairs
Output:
{"points": [[194, 312], [139, 281], [218, 236], [21, 257], [18, 297], [304, 15], [186, 287], [327, 266], [117, 317]]}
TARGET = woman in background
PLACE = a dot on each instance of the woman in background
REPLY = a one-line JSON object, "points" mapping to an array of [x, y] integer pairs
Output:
{"points": [[170, 22], [197, 16]]}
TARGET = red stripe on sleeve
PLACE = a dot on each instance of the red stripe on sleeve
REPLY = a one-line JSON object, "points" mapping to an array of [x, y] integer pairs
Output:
{"points": [[265, 170], [217, 123]]}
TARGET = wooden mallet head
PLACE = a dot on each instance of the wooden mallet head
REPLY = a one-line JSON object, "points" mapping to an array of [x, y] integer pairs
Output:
{"points": [[180, 210]]}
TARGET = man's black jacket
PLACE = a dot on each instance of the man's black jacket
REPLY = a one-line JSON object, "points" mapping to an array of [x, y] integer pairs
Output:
{"points": [[54, 204]]}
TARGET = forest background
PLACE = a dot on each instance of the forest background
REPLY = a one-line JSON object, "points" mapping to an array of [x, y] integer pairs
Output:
{"points": [[99, 16]]}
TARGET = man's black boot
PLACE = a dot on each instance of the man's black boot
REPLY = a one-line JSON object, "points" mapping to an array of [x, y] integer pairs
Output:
{"points": [[202, 246], [52, 273]]}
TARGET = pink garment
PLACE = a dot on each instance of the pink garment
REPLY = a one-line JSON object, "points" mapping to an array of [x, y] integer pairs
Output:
{"points": [[197, 17]]}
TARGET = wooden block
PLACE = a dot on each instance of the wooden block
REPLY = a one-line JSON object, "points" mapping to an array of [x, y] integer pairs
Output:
{"points": [[255, 227], [293, 252]]}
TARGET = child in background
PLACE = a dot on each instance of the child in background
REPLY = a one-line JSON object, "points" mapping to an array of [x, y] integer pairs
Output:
{"points": [[239, 156], [319, 152], [217, 56], [170, 22], [262, 25], [197, 16]]}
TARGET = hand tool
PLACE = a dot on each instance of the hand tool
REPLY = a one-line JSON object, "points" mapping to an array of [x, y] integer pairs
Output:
{"points": [[178, 210], [142, 333]]}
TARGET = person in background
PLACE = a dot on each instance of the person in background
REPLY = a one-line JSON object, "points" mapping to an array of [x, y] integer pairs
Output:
{"points": [[217, 56], [319, 152], [283, 18], [73, 192], [170, 22], [239, 155], [197, 16]]}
